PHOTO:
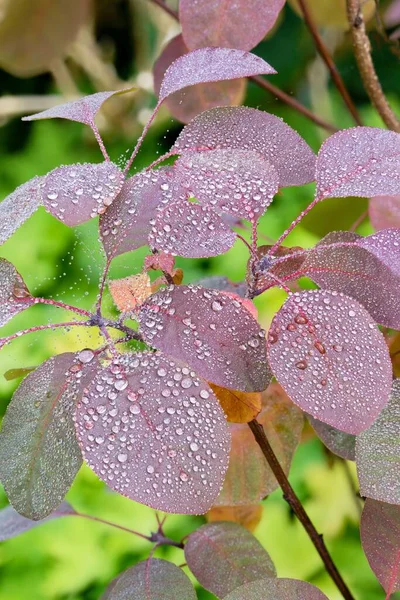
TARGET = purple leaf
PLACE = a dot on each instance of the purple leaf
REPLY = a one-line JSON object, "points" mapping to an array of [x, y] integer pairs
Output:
{"points": [[210, 330], [77, 193], [384, 212], [152, 579], [380, 538], [154, 432], [82, 110], [14, 295], [367, 269], [241, 25], [361, 161], [378, 453], [187, 103], [16, 208], [277, 589], [331, 359], [250, 129], [239, 182], [249, 478], [224, 555], [340, 443], [218, 282], [39, 454], [211, 64], [126, 224], [13, 524], [187, 229]]}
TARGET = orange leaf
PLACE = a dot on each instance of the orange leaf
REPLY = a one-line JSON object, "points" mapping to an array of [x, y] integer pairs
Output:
{"points": [[248, 516], [130, 292], [239, 407]]}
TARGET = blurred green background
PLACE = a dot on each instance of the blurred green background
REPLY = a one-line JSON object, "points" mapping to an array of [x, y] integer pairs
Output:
{"points": [[74, 559]]}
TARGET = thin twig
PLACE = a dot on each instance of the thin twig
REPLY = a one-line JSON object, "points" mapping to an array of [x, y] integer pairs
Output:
{"points": [[362, 51], [326, 57], [266, 85], [295, 504]]}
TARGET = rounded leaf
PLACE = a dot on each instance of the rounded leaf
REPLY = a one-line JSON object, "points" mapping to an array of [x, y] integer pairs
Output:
{"points": [[249, 478], [16, 208], [210, 330], [13, 524], [239, 182], [340, 443], [34, 34], [360, 161], [130, 292], [154, 432], [239, 407], [224, 555], [380, 538], [152, 579], [331, 359], [77, 193], [186, 104], [277, 589], [378, 453], [39, 453], [384, 212], [190, 230], [365, 268], [211, 64], [240, 25], [244, 128], [126, 224], [14, 295]]}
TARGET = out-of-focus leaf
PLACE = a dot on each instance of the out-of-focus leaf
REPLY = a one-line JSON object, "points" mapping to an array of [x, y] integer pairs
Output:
{"points": [[378, 453], [239, 407], [211, 64], [367, 269], [245, 128], [384, 212], [35, 33], [14, 295], [277, 589], [331, 359], [126, 224], [130, 292], [12, 374], [240, 25], [360, 161], [380, 538], [238, 182], [83, 110], [19, 206], [249, 478], [169, 443], [77, 193], [224, 556], [210, 330], [190, 230], [340, 443], [13, 524], [185, 105], [152, 579], [39, 453], [332, 13], [247, 516]]}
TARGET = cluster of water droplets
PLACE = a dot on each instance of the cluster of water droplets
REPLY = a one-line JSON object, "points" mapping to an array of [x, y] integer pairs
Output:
{"points": [[210, 330], [14, 295], [153, 431], [330, 357], [77, 193], [191, 230], [239, 182], [250, 129]]}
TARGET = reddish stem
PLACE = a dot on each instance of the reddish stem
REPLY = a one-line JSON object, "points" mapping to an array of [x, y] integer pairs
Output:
{"points": [[141, 138], [6, 340], [100, 141], [69, 307], [293, 225]]}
